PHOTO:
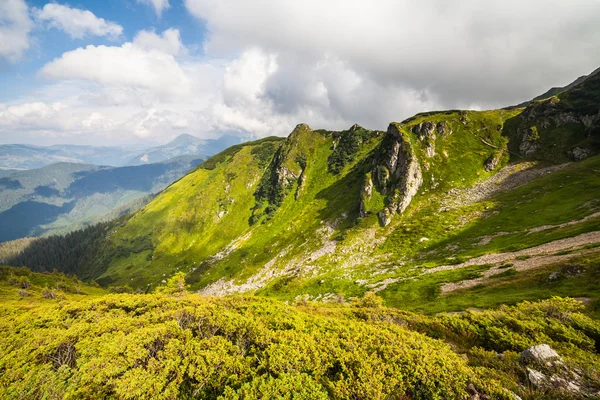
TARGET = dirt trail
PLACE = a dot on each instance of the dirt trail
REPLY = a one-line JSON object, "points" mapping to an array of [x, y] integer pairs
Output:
{"points": [[531, 258], [507, 178]]}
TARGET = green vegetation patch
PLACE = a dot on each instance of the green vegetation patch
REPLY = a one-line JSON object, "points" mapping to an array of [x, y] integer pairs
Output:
{"points": [[164, 347]]}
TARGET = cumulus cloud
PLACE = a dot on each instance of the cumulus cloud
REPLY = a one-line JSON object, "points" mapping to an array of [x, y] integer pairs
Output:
{"points": [[267, 65], [147, 63], [158, 5], [452, 54], [15, 26], [137, 91], [75, 22]]}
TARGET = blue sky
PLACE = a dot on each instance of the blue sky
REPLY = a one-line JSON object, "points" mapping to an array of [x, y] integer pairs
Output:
{"points": [[133, 16], [144, 71]]}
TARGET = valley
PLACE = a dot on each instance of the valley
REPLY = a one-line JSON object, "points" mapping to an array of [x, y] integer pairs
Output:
{"points": [[464, 238]]}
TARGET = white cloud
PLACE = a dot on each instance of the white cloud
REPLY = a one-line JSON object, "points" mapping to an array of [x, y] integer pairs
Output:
{"points": [[169, 42], [75, 22], [491, 53], [158, 5], [35, 116], [136, 91], [268, 65], [130, 65], [15, 26]]}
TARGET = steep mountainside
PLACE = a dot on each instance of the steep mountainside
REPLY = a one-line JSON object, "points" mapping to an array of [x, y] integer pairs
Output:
{"points": [[67, 196], [441, 212]]}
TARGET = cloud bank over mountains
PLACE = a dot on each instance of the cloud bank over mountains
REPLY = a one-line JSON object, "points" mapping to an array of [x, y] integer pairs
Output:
{"points": [[267, 65]]}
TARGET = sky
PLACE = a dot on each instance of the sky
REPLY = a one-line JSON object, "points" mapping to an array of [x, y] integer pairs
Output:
{"points": [[119, 72]]}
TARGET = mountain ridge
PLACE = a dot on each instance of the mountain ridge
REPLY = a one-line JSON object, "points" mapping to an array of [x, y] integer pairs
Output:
{"points": [[324, 213]]}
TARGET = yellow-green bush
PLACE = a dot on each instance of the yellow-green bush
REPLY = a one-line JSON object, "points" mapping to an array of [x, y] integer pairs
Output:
{"points": [[158, 346]]}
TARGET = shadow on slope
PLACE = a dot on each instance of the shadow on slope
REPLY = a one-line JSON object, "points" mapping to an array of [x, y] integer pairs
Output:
{"points": [[22, 219]]}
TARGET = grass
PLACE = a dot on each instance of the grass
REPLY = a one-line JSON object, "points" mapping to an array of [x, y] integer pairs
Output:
{"points": [[509, 287], [187, 232], [566, 195]]}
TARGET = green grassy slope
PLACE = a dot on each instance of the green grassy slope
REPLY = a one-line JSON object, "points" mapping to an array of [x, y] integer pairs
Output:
{"points": [[281, 218], [302, 216]]}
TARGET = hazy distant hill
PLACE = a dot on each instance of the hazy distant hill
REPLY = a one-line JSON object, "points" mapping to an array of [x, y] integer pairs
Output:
{"points": [[184, 145], [66, 196], [22, 156]]}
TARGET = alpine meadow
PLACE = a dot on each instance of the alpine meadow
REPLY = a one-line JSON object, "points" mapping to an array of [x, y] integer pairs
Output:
{"points": [[276, 249]]}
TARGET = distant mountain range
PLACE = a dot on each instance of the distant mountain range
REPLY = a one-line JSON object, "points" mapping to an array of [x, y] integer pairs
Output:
{"points": [[184, 145], [22, 156], [65, 196]]}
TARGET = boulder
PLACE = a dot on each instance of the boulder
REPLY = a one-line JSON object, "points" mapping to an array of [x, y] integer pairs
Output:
{"points": [[578, 153], [385, 217], [539, 354]]}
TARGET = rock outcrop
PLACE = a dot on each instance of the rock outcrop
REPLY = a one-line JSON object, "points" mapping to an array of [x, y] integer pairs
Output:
{"points": [[425, 130], [547, 371], [444, 128], [530, 142], [396, 171], [365, 195], [539, 354], [493, 161]]}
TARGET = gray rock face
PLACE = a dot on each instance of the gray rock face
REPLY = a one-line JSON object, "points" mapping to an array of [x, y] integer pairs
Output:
{"points": [[578, 153], [396, 173], [539, 354], [392, 161], [365, 195], [444, 129], [403, 177], [424, 130], [530, 143], [493, 161], [565, 118]]}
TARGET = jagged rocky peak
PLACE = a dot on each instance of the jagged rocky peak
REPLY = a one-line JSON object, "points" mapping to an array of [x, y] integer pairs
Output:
{"points": [[355, 128], [396, 172], [300, 128]]}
